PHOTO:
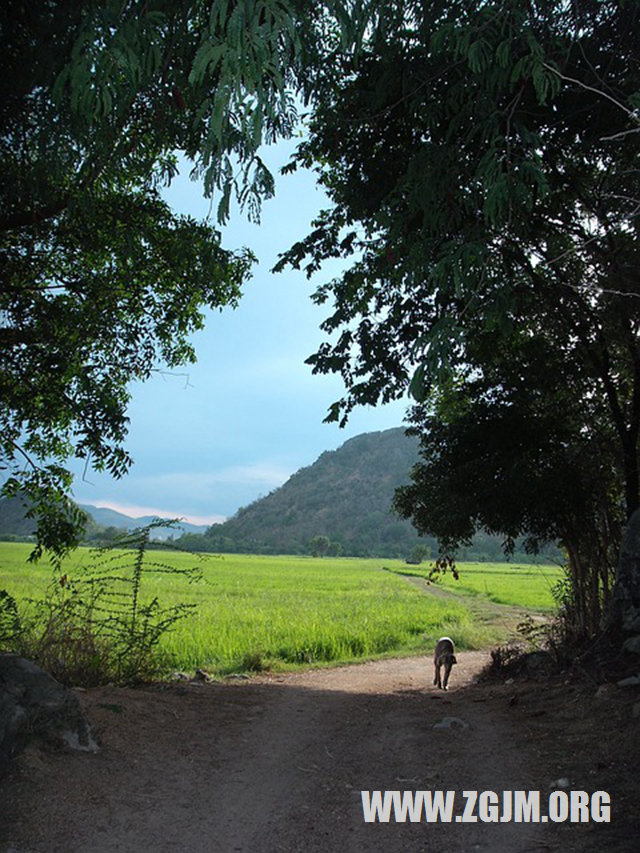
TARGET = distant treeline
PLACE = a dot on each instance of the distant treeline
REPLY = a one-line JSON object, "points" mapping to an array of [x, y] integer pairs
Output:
{"points": [[484, 548]]}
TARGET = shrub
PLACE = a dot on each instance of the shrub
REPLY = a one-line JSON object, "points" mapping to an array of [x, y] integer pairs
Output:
{"points": [[98, 626]]}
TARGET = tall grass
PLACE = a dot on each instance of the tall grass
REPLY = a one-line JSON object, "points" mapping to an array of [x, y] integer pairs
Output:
{"points": [[296, 610], [527, 585]]}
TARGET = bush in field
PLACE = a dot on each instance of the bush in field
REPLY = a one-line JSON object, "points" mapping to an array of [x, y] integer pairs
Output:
{"points": [[319, 545], [98, 625]]}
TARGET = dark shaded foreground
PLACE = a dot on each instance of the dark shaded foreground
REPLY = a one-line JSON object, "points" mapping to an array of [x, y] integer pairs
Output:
{"points": [[277, 764]]}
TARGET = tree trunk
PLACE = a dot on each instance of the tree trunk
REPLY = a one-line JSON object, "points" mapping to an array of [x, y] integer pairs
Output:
{"points": [[624, 615]]}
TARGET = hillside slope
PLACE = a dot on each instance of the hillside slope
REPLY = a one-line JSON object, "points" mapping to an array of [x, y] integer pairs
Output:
{"points": [[345, 495], [12, 518]]}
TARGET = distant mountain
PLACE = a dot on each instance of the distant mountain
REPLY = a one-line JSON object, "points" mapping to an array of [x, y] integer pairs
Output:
{"points": [[110, 518], [345, 496], [14, 524]]}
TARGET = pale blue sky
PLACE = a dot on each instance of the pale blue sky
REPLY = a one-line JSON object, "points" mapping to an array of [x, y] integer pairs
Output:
{"points": [[249, 414]]}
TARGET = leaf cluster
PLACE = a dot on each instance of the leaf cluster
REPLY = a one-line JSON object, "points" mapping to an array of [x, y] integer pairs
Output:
{"points": [[515, 460], [471, 170]]}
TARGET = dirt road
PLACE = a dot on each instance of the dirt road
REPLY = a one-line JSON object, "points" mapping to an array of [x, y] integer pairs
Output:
{"points": [[278, 763]]}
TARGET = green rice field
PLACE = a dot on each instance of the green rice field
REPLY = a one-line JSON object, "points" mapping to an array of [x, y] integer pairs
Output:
{"points": [[526, 585], [254, 612]]}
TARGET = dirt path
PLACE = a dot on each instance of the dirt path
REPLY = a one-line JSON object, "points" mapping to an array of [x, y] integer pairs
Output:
{"points": [[277, 764]]}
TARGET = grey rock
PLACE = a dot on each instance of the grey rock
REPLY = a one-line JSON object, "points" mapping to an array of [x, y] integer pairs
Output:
{"points": [[201, 675], [34, 706]]}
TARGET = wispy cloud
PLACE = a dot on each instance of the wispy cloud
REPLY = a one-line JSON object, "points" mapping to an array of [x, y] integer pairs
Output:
{"points": [[138, 510], [191, 495]]}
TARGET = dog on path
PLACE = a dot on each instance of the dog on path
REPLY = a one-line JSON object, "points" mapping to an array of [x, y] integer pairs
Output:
{"points": [[444, 656]]}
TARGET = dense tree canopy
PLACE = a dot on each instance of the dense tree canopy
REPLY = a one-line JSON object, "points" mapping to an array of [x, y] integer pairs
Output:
{"points": [[101, 282], [483, 163], [472, 175], [535, 458]]}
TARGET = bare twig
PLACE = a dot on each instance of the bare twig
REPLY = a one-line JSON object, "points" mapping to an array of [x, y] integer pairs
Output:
{"points": [[631, 113], [620, 135]]}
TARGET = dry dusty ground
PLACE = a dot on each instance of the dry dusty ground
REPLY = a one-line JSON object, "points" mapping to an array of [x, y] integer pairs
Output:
{"points": [[277, 763]]}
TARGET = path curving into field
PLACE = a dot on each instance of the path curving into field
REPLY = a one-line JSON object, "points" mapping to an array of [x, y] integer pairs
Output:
{"points": [[277, 763]]}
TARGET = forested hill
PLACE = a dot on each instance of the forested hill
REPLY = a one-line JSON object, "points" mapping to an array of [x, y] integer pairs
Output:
{"points": [[344, 496]]}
